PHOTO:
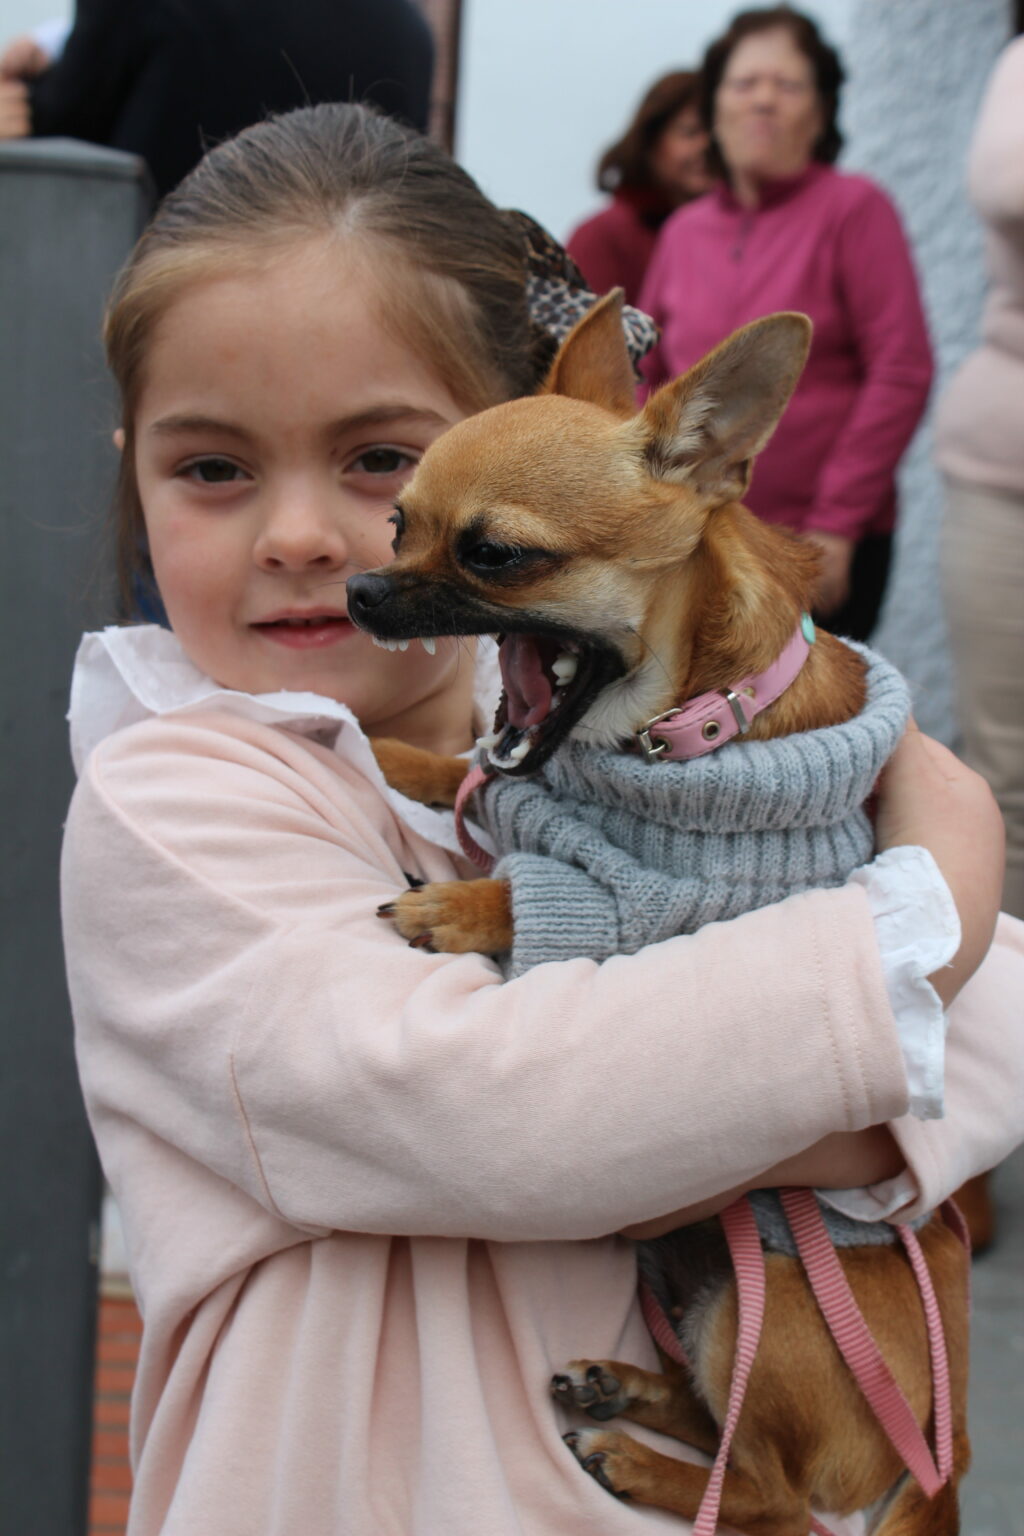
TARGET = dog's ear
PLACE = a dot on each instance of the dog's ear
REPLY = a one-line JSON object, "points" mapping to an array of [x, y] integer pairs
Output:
{"points": [[593, 363], [706, 428]]}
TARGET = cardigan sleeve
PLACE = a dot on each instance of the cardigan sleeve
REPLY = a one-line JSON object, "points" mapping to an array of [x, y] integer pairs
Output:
{"points": [[879, 290], [234, 991]]}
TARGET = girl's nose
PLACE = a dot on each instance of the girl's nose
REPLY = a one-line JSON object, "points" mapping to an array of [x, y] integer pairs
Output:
{"points": [[302, 526]]}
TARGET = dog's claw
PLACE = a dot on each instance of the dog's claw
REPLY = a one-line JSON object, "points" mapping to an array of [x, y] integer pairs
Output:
{"points": [[421, 941], [387, 910], [595, 1466]]}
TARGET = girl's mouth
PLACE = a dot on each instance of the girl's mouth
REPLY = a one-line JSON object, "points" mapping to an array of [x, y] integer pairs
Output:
{"points": [[310, 632]]}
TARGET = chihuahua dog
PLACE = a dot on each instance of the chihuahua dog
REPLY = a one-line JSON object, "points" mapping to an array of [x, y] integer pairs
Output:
{"points": [[610, 553]]}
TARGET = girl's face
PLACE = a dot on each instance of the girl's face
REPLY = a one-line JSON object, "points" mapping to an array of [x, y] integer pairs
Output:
{"points": [[277, 421]]}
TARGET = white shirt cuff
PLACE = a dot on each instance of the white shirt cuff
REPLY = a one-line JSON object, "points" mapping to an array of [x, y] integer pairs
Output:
{"points": [[918, 930]]}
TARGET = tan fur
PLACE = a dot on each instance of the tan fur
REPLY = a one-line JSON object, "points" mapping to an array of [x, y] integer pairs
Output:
{"points": [[806, 1436], [647, 545]]}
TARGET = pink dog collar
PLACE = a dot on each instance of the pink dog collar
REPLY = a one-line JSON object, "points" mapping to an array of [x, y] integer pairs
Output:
{"points": [[713, 718]]}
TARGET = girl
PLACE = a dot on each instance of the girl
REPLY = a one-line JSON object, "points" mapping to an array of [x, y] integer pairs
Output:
{"points": [[368, 1191]]}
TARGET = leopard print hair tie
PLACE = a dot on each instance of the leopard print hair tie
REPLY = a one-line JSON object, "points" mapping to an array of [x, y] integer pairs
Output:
{"points": [[557, 294]]}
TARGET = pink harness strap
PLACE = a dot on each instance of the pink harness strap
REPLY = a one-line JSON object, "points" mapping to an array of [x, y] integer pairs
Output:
{"points": [[467, 842], [857, 1347], [848, 1329]]}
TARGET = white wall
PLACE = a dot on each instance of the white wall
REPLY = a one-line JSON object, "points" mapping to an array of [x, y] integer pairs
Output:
{"points": [[18, 16], [546, 85]]}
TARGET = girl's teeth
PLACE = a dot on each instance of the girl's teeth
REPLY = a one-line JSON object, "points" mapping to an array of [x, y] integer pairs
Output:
{"points": [[564, 667]]}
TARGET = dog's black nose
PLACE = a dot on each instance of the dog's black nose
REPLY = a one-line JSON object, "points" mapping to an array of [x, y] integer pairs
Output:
{"points": [[366, 593]]}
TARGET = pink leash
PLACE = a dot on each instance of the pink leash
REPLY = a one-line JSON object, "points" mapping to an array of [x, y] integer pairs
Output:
{"points": [[467, 842], [857, 1347], [848, 1328]]}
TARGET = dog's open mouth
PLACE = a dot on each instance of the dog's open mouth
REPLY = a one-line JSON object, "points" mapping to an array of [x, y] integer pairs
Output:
{"points": [[549, 683]]}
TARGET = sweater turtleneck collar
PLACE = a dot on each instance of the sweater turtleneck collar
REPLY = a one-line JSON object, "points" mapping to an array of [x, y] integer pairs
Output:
{"points": [[775, 190]]}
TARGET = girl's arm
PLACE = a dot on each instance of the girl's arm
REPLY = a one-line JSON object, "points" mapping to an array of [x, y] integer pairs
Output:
{"points": [[928, 798], [235, 994]]}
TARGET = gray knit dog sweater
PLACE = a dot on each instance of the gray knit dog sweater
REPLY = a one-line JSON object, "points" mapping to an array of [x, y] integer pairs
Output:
{"points": [[612, 852]]}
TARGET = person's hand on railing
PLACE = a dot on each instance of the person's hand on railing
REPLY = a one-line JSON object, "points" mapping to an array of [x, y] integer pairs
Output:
{"points": [[15, 115]]}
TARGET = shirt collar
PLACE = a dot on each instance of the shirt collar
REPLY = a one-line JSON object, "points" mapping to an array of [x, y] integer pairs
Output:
{"points": [[779, 189], [123, 675]]}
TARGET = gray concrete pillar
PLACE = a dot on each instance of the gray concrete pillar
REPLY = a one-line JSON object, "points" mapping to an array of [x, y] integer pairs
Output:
{"points": [[69, 213]]}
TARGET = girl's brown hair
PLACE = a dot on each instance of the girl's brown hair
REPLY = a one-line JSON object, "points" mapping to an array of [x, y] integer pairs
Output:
{"points": [[455, 263], [825, 61], [627, 164]]}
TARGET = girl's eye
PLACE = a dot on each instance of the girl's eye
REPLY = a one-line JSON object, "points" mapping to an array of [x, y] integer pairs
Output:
{"points": [[212, 471], [383, 461]]}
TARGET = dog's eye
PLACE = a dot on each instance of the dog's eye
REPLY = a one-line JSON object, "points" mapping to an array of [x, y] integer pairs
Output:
{"points": [[489, 556], [397, 521]]}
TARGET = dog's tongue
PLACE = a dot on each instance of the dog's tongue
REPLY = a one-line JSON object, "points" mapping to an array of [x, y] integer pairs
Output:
{"points": [[527, 687]]}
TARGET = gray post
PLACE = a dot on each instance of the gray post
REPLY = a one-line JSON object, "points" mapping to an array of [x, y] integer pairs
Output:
{"points": [[69, 213]]}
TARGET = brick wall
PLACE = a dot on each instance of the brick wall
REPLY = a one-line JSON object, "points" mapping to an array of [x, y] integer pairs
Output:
{"points": [[117, 1353]]}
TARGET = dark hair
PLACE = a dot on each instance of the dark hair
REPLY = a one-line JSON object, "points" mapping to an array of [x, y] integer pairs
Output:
{"points": [[828, 74], [628, 162], [455, 263]]}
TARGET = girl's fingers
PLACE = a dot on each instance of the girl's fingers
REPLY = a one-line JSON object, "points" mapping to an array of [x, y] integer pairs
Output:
{"points": [[927, 797]]}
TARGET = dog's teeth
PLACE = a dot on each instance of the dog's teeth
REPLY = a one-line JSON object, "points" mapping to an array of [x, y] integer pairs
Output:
{"points": [[428, 644], [401, 645], [518, 753], [485, 743], [564, 667]]}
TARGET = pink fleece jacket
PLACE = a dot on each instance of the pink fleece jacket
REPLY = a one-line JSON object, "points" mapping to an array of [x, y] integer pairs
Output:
{"points": [[367, 1190], [830, 245]]}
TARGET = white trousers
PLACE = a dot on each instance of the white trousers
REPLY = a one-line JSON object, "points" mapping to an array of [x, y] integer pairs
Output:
{"points": [[983, 578]]}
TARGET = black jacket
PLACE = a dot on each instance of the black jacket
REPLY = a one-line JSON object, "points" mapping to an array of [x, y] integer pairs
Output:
{"points": [[164, 79]]}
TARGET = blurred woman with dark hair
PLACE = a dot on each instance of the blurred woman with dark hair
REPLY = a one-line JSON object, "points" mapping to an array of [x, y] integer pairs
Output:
{"points": [[784, 230], [658, 164]]}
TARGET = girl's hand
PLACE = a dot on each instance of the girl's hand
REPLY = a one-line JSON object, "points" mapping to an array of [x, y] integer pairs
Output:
{"points": [[927, 797]]}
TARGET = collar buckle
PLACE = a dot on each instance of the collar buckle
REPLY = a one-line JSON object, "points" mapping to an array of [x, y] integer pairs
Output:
{"points": [[654, 747]]}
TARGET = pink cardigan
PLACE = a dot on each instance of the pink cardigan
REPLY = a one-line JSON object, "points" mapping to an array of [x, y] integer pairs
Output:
{"points": [[830, 245], [613, 248], [278, 1085], [979, 428]]}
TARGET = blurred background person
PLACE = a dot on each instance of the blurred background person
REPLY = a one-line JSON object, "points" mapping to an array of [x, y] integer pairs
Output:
{"points": [[166, 78], [784, 230], [980, 449], [659, 163]]}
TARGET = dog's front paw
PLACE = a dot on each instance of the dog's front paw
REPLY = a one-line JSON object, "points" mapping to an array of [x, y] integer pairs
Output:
{"points": [[592, 1386], [454, 917], [616, 1461]]}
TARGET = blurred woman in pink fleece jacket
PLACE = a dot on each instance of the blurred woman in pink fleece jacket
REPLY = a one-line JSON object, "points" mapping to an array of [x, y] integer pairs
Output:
{"points": [[371, 1195], [784, 230]]}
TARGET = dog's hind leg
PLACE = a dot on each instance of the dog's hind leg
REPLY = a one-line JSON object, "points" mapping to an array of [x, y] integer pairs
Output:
{"points": [[911, 1512], [768, 1507], [606, 1389]]}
